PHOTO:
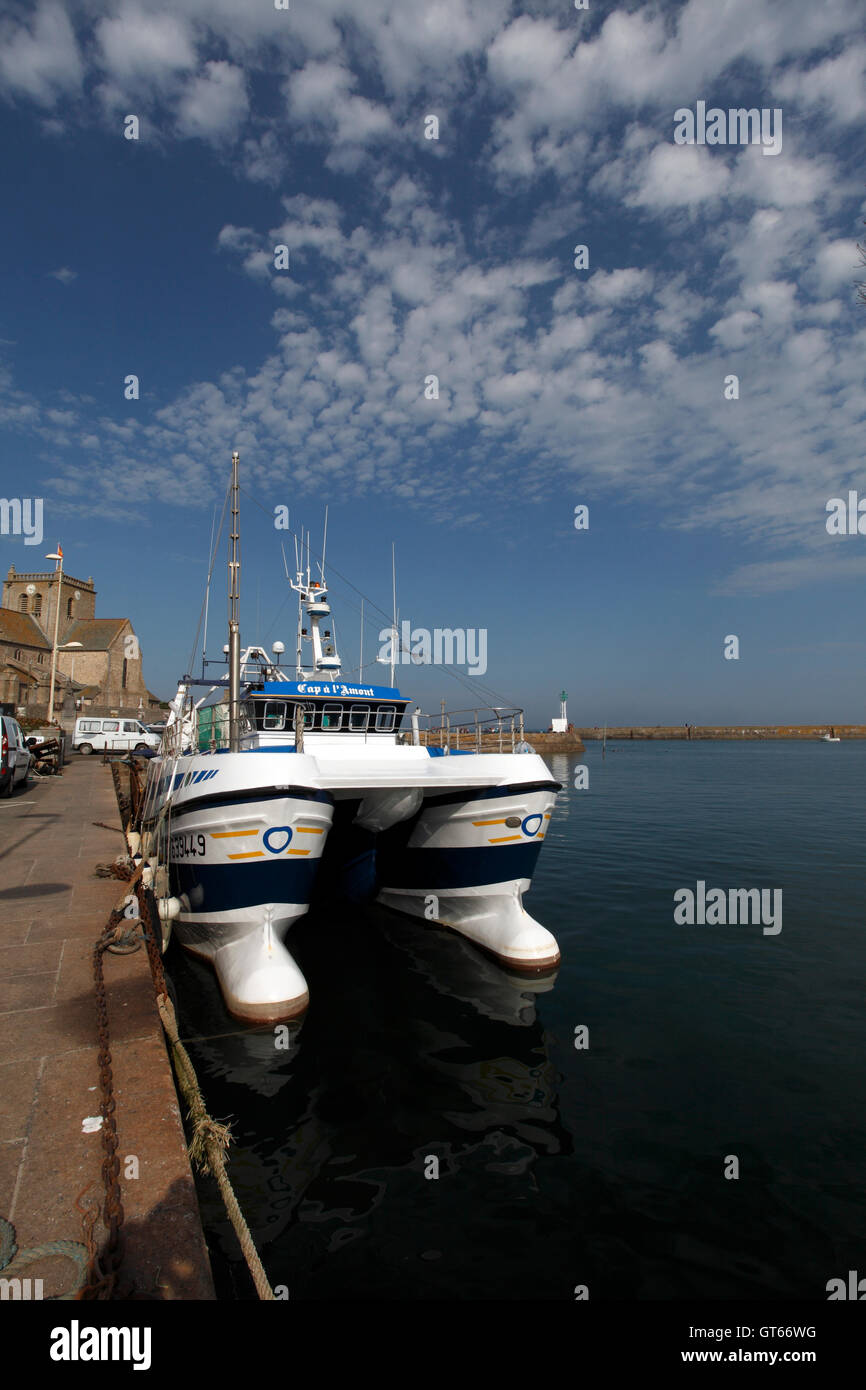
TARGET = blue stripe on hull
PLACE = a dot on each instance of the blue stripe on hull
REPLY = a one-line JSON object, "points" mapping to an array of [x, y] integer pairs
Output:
{"points": [[222, 887], [429, 869]]}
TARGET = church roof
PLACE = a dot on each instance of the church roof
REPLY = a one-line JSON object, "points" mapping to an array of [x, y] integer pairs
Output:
{"points": [[94, 634], [21, 627]]}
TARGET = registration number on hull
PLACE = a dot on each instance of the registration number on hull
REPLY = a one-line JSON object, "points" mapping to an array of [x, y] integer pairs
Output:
{"points": [[186, 846]]}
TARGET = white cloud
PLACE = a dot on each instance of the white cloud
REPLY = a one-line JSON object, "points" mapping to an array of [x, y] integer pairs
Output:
{"points": [[528, 51], [43, 61], [64, 275], [152, 46], [215, 103], [618, 286], [321, 95], [836, 83], [838, 264], [775, 300], [681, 176], [785, 181], [264, 159], [736, 329]]}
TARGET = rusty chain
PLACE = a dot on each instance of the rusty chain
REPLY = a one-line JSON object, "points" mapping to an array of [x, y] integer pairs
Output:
{"points": [[104, 1266], [120, 935]]}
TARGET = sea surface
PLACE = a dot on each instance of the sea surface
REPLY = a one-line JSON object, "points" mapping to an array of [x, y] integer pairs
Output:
{"points": [[712, 1051]]}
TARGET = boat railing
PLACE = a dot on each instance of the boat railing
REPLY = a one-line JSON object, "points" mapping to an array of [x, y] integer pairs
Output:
{"points": [[200, 729], [466, 729]]}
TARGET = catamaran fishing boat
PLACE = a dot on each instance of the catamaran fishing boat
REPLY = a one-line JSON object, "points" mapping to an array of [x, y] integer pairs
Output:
{"points": [[270, 789]]}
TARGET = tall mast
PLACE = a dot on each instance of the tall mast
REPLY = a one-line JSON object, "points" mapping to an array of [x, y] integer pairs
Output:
{"points": [[234, 624], [207, 594], [361, 669], [394, 597]]}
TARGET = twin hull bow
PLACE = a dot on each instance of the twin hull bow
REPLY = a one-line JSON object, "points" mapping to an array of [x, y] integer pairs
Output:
{"points": [[241, 842]]}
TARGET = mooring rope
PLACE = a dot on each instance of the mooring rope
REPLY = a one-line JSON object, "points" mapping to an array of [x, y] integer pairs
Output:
{"points": [[208, 1145], [10, 1254]]}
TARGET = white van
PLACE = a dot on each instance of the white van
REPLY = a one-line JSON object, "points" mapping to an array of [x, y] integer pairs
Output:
{"points": [[122, 734]]}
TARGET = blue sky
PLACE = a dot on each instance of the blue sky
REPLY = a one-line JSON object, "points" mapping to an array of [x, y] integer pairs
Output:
{"points": [[455, 257]]}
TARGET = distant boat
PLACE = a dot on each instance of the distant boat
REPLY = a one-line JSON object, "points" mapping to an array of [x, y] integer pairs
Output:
{"points": [[830, 738]]}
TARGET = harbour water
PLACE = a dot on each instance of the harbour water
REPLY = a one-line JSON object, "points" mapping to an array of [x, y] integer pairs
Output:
{"points": [[561, 1166]]}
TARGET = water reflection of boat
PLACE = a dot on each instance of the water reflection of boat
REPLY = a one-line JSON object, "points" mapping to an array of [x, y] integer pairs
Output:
{"points": [[409, 1053]]}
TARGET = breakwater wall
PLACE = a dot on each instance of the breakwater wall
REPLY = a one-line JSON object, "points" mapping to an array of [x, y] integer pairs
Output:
{"points": [[556, 743], [542, 743], [717, 731]]}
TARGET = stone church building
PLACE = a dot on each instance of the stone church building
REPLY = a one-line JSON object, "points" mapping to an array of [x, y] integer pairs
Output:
{"points": [[101, 673]]}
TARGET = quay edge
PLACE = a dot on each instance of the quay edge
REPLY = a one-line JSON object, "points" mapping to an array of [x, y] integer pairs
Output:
{"points": [[53, 911]]}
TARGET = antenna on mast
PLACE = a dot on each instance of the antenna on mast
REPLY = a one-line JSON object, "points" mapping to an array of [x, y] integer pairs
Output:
{"points": [[324, 544], [361, 667]]}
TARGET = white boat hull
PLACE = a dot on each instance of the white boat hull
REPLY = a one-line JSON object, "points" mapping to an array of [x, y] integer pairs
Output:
{"points": [[259, 979], [467, 864], [243, 867], [244, 835]]}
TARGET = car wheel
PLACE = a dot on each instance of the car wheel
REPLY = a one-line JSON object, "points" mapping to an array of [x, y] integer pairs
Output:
{"points": [[85, 748], [7, 787], [138, 746]]}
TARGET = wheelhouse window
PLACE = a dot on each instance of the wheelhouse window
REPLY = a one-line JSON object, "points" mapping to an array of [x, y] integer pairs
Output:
{"points": [[332, 717], [274, 715], [384, 719], [358, 717]]}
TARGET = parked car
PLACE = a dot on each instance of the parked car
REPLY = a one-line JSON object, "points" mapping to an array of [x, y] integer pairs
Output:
{"points": [[15, 756], [155, 729], [91, 734]]}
